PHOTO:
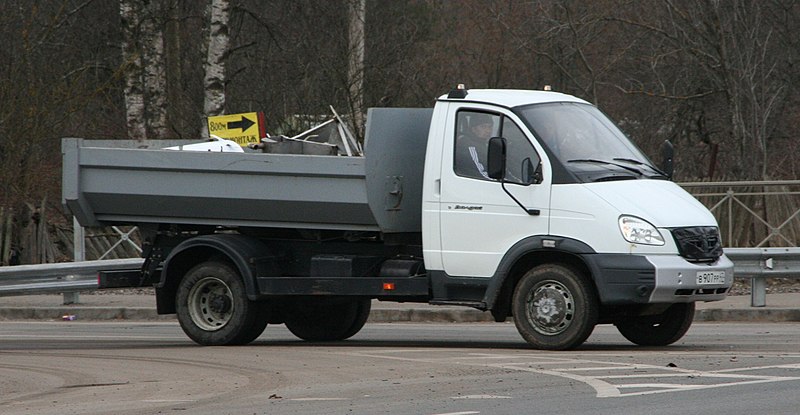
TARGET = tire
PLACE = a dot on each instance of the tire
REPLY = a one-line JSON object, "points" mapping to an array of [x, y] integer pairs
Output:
{"points": [[659, 330], [555, 307], [328, 322], [213, 308]]}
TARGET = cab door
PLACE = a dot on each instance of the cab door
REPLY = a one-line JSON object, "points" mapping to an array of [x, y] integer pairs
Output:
{"points": [[479, 222]]}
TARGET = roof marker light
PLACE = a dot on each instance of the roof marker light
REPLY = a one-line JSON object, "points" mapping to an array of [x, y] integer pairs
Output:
{"points": [[460, 91]]}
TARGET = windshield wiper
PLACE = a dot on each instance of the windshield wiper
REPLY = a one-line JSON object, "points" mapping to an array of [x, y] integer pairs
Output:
{"points": [[640, 163], [622, 166]]}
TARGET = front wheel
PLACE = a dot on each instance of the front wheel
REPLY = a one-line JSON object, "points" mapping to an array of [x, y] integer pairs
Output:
{"points": [[555, 307], [213, 308], [659, 330]]}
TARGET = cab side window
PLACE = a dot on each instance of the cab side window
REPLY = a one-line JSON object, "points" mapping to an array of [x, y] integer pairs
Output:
{"points": [[521, 158], [473, 131]]}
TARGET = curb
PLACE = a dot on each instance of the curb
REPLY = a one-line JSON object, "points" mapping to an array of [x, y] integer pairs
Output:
{"points": [[83, 313], [774, 315], [409, 315]]}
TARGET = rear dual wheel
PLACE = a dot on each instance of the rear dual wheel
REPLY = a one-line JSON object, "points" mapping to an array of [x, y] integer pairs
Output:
{"points": [[318, 320], [213, 308]]}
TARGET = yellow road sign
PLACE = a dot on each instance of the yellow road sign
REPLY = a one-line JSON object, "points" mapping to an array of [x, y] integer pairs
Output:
{"points": [[243, 128]]}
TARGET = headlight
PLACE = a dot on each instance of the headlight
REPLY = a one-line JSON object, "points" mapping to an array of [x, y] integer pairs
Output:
{"points": [[639, 231]]}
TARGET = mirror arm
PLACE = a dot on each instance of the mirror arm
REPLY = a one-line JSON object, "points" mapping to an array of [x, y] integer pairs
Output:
{"points": [[532, 212]]}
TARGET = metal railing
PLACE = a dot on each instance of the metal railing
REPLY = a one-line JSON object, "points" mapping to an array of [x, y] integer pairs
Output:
{"points": [[59, 278], [71, 296], [758, 264], [753, 213], [760, 223]]}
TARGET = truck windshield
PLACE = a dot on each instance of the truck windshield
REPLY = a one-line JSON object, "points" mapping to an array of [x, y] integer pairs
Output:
{"points": [[587, 143]]}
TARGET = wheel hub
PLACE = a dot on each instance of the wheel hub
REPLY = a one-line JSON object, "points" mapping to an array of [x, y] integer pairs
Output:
{"points": [[219, 303], [210, 304], [550, 308]]}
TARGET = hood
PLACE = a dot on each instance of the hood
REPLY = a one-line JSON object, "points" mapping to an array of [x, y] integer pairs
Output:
{"points": [[660, 202]]}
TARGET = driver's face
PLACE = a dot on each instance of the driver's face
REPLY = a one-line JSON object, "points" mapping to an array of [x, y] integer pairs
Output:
{"points": [[483, 130]]}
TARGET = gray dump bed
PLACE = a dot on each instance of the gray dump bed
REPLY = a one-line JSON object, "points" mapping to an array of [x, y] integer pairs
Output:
{"points": [[381, 191]]}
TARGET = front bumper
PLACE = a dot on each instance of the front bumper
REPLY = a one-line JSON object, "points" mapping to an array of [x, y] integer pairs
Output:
{"points": [[646, 279], [676, 280]]}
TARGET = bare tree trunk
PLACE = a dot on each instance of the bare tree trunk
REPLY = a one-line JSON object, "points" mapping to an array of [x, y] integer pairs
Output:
{"points": [[218, 44], [130, 13], [355, 72], [172, 56], [155, 78]]}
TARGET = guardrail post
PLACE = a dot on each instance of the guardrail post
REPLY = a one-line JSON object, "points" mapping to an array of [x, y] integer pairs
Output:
{"points": [[758, 292], [79, 254]]}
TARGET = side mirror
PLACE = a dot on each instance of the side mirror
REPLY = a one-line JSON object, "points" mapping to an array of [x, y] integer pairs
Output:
{"points": [[496, 158], [537, 174], [667, 156], [531, 175], [528, 174]]}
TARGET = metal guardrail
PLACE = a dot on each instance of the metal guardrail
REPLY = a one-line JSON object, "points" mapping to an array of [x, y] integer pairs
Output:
{"points": [[758, 264], [60, 277]]}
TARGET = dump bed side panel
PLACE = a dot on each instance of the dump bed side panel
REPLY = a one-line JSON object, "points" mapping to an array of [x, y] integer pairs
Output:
{"points": [[105, 186]]}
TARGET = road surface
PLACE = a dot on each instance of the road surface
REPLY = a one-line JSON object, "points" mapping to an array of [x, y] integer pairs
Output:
{"points": [[482, 368]]}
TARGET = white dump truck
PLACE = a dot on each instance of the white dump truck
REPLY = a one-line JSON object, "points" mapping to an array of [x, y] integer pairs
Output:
{"points": [[525, 204]]}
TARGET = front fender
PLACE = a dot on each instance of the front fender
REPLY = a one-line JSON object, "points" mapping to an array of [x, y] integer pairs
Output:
{"points": [[528, 252]]}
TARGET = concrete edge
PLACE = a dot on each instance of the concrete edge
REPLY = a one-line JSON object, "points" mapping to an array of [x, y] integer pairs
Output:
{"points": [[82, 313], [410, 315], [773, 315]]}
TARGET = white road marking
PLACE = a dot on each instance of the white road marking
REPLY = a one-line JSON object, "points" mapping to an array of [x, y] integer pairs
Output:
{"points": [[608, 385], [481, 397], [317, 399], [460, 413], [168, 400]]}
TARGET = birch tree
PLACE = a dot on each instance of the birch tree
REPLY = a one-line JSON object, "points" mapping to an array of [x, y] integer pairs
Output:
{"points": [[144, 69], [218, 45], [355, 72], [155, 78], [130, 12]]}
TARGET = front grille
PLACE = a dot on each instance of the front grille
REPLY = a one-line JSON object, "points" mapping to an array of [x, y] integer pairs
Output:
{"points": [[698, 244]]}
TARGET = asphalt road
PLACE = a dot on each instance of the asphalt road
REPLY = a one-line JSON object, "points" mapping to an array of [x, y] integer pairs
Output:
{"points": [[149, 368]]}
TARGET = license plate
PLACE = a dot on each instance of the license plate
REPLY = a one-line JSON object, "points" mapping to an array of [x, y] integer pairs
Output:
{"points": [[710, 277]]}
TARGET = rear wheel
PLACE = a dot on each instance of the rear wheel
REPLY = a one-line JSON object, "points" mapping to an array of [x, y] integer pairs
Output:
{"points": [[659, 330], [213, 308], [555, 307], [313, 321]]}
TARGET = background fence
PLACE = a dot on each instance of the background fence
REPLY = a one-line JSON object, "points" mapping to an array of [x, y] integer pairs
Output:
{"points": [[28, 237], [753, 214]]}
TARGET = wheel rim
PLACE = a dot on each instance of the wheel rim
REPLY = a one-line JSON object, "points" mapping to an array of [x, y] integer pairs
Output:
{"points": [[210, 304], [550, 308]]}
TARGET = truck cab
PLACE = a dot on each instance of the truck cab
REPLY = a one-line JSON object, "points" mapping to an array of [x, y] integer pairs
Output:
{"points": [[575, 212]]}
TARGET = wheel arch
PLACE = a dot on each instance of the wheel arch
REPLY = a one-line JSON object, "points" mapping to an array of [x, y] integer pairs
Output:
{"points": [[525, 255], [239, 251]]}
